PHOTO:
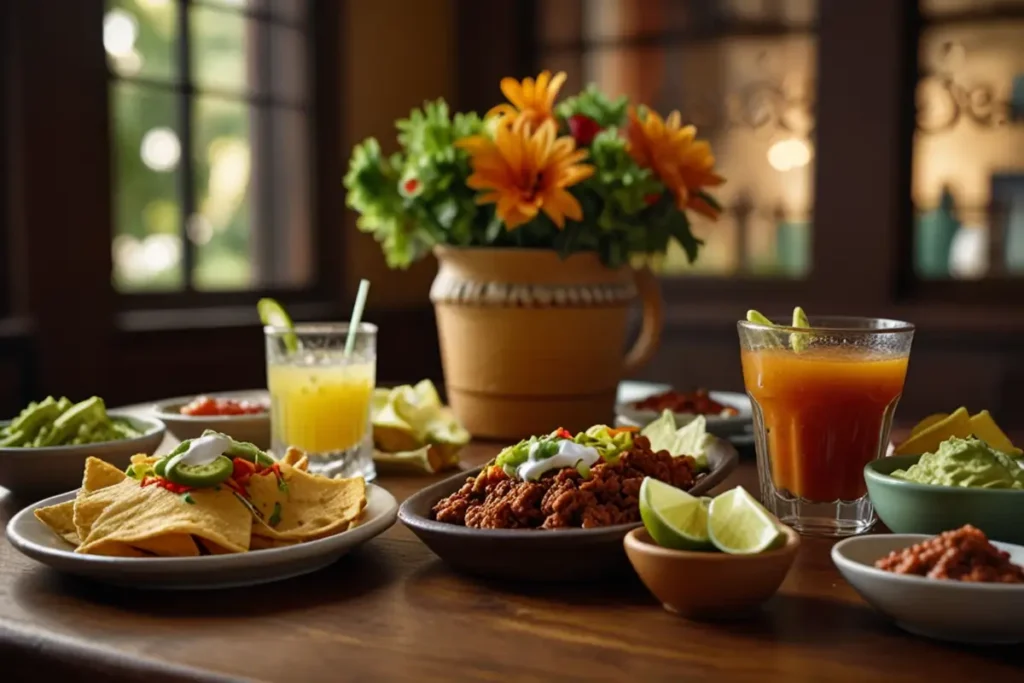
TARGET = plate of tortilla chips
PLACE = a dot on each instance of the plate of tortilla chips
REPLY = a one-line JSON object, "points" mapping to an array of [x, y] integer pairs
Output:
{"points": [[283, 522]]}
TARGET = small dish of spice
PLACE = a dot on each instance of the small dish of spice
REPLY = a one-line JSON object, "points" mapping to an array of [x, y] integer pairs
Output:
{"points": [[727, 413], [957, 586]]}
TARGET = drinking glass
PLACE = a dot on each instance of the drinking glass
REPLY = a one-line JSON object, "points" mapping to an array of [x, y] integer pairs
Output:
{"points": [[823, 401], [320, 397]]}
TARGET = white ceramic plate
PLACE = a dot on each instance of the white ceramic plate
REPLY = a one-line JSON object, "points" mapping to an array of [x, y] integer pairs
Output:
{"points": [[717, 425], [985, 613], [32, 538], [252, 428]]}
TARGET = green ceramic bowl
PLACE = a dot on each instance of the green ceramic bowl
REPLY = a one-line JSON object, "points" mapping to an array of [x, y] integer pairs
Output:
{"points": [[909, 508]]}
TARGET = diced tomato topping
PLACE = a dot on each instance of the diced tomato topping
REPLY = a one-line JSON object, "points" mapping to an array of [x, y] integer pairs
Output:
{"points": [[207, 406]]}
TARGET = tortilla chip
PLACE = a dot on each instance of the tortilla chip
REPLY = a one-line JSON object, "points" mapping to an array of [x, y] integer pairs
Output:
{"points": [[132, 514], [311, 507], [212, 548], [99, 475], [168, 545], [296, 458], [60, 519], [264, 543], [116, 549]]}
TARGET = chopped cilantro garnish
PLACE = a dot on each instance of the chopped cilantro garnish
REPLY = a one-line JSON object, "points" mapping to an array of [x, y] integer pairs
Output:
{"points": [[188, 498], [130, 471], [275, 516]]}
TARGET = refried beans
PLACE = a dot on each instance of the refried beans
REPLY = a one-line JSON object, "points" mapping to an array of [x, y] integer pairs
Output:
{"points": [[563, 498], [964, 554]]}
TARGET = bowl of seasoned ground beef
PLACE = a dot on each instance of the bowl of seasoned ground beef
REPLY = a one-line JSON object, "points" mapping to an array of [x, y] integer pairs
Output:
{"points": [[957, 586], [565, 525]]}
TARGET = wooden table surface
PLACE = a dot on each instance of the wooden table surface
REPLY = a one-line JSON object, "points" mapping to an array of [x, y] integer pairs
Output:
{"points": [[392, 611]]}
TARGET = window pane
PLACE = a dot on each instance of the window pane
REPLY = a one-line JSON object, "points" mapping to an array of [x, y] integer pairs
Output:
{"points": [[968, 186], [139, 37], [147, 248], [221, 43], [744, 72], [223, 164]]}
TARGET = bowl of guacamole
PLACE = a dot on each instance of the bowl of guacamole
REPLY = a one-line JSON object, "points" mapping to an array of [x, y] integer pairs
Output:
{"points": [[964, 481]]}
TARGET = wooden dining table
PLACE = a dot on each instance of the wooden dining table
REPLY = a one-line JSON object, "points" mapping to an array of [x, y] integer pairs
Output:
{"points": [[393, 611]]}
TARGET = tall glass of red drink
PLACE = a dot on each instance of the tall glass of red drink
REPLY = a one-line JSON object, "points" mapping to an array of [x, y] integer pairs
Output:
{"points": [[823, 401]]}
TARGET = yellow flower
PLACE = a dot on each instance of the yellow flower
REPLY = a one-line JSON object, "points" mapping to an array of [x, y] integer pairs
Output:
{"points": [[533, 101], [525, 171], [685, 165]]}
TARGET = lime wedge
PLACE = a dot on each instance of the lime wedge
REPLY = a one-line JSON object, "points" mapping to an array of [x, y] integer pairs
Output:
{"points": [[739, 525], [758, 319], [273, 314], [673, 517], [797, 340]]}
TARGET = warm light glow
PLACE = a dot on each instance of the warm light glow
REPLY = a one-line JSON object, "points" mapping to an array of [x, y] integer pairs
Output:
{"points": [[153, 4], [160, 252], [129, 64], [120, 31], [140, 260], [968, 255], [161, 149], [788, 154], [200, 231]]}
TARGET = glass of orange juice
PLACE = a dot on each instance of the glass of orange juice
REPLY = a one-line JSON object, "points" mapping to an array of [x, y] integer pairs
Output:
{"points": [[320, 395], [823, 401]]}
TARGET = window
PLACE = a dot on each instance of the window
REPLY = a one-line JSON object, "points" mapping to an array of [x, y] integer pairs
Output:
{"points": [[744, 71], [968, 184], [212, 168]]}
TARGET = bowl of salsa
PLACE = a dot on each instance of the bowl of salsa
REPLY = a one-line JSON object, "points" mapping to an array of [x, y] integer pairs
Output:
{"points": [[727, 413], [242, 415]]}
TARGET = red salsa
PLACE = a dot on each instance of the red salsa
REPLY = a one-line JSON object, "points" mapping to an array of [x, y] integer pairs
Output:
{"points": [[695, 402], [206, 406]]}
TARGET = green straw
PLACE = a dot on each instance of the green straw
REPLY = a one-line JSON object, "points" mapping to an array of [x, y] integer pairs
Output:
{"points": [[357, 316]]}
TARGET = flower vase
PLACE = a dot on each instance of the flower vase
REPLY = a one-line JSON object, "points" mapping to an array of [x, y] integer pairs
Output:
{"points": [[531, 342]]}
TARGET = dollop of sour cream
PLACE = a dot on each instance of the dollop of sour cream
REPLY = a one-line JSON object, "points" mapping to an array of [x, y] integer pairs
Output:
{"points": [[202, 451], [569, 454]]}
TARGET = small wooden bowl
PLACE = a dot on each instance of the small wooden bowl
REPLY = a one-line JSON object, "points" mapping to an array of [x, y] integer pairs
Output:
{"points": [[709, 585]]}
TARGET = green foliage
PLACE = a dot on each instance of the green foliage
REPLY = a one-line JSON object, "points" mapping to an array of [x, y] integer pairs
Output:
{"points": [[594, 104], [418, 198]]}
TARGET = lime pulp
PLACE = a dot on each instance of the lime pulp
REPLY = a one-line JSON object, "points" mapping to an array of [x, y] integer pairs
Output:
{"points": [[673, 517], [739, 525]]}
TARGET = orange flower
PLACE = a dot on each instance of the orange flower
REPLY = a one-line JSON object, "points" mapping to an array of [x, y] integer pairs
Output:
{"points": [[525, 172], [531, 101], [685, 165]]}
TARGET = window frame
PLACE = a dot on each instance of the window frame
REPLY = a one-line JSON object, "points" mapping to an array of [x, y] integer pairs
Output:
{"points": [[175, 308], [862, 259]]}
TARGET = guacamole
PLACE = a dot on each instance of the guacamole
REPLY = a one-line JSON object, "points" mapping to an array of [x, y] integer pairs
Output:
{"points": [[966, 462]]}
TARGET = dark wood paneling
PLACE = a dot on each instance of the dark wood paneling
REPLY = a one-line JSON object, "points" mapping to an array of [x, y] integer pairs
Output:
{"points": [[61, 154], [178, 362]]}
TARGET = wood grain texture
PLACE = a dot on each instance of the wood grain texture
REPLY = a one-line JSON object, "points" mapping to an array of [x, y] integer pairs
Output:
{"points": [[392, 611]]}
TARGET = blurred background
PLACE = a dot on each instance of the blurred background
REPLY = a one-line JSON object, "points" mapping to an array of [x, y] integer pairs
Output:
{"points": [[167, 162]]}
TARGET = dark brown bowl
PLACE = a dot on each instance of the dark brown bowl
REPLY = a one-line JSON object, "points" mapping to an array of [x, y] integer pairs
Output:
{"points": [[535, 555]]}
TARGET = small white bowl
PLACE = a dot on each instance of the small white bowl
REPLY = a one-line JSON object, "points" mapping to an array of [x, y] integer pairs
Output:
{"points": [[254, 428], [956, 611]]}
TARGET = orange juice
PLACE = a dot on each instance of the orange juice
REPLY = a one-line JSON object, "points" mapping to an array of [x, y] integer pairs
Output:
{"points": [[824, 412]]}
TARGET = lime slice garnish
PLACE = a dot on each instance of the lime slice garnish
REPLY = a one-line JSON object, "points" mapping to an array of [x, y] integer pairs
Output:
{"points": [[796, 339], [739, 525], [673, 517], [273, 314], [758, 319]]}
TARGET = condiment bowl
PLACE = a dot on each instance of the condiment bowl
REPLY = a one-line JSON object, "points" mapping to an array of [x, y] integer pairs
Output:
{"points": [[254, 428], [907, 507], [709, 585], [959, 611], [719, 425], [43, 471]]}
